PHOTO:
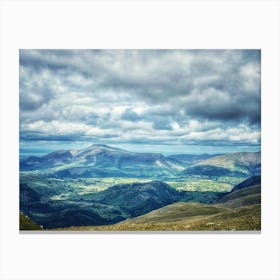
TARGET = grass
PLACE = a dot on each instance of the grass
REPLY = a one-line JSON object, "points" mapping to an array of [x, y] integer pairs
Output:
{"points": [[202, 185], [247, 196], [189, 217], [238, 210], [26, 223], [242, 193]]}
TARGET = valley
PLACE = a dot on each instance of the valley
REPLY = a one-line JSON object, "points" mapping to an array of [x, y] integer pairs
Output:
{"points": [[107, 188]]}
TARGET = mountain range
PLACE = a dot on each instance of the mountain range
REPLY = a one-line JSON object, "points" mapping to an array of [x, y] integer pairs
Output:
{"points": [[80, 188], [106, 161], [102, 161]]}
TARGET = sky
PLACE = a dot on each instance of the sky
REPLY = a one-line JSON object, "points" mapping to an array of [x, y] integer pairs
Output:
{"points": [[169, 101]]}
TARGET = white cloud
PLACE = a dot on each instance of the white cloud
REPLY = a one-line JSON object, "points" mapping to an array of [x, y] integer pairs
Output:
{"points": [[163, 96]]}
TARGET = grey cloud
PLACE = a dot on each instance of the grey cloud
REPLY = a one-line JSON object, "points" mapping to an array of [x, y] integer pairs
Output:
{"points": [[130, 115], [153, 87], [162, 124], [30, 101]]}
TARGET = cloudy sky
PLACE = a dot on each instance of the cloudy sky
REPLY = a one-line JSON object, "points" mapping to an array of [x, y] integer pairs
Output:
{"points": [[169, 101]]}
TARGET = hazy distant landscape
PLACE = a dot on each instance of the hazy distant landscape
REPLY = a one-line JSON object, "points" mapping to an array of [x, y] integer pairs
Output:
{"points": [[140, 140]]}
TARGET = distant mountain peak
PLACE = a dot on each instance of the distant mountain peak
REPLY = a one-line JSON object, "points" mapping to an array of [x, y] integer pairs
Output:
{"points": [[100, 146]]}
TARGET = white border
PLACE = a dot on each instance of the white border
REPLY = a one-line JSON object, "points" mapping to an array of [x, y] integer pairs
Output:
{"points": [[156, 24]]}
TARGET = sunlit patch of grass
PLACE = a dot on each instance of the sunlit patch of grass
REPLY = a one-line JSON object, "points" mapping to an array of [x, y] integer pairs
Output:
{"points": [[202, 185]]}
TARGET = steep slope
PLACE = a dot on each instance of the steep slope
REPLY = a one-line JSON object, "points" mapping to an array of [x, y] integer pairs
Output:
{"points": [[102, 161], [247, 196], [246, 193], [25, 223], [236, 165], [254, 180]]}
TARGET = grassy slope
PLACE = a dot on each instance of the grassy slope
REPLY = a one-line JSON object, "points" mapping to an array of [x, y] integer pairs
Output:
{"points": [[243, 197], [232, 161], [190, 216], [26, 223], [238, 210]]}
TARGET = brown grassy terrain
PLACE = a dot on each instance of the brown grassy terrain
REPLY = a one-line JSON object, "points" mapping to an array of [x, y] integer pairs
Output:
{"points": [[185, 216], [25, 223]]}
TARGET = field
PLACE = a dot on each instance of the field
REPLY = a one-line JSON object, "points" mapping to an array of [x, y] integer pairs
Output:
{"points": [[69, 188]]}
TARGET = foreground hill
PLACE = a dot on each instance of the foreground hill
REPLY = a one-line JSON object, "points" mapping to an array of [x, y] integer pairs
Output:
{"points": [[246, 193], [25, 223], [102, 161], [192, 216], [252, 181], [115, 204], [189, 217], [237, 210], [243, 164], [244, 197], [138, 198]]}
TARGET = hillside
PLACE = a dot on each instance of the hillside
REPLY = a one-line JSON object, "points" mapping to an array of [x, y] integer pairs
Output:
{"points": [[102, 161], [138, 198], [25, 223], [189, 159], [254, 180], [236, 210], [223, 219], [235, 165], [246, 193], [115, 204], [50, 213]]}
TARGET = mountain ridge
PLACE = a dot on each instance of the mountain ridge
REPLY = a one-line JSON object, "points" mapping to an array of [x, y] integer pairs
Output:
{"points": [[102, 159], [244, 164], [99, 160]]}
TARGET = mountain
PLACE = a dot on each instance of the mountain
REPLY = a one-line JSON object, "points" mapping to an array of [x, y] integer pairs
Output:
{"points": [[106, 161], [102, 161], [36, 202], [235, 165], [254, 180], [115, 204], [189, 159], [138, 198]]}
